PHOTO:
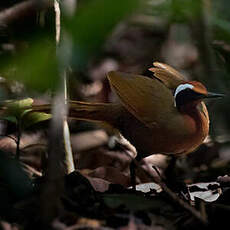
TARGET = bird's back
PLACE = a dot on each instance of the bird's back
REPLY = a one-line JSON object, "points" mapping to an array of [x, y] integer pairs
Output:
{"points": [[147, 99]]}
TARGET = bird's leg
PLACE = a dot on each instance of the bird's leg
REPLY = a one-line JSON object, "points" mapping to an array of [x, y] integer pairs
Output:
{"points": [[132, 168], [173, 179], [170, 170]]}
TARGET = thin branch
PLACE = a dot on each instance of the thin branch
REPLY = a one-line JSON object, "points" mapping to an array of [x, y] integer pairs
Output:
{"points": [[56, 165], [58, 21], [66, 133], [19, 133], [179, 201], [34, 145], [53, 186], [23, 9], [169, 192], [31, 170], [68, 7], [8, 136]]}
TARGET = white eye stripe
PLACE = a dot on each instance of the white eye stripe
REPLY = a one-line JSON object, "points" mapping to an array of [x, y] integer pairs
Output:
{"points": [[182, 87]]}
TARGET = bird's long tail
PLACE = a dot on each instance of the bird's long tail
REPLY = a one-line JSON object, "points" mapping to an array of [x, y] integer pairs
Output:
{"points": [[104, 112]]}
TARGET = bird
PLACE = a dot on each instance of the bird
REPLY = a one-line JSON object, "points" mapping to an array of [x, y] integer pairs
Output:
{"points": [[162, 114]]}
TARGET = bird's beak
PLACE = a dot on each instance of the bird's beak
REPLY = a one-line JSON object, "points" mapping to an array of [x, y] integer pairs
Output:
{"points": [[213, 95]]}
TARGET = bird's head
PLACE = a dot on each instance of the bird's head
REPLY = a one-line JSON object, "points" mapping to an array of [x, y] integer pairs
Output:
{"points": [[192, 93]]}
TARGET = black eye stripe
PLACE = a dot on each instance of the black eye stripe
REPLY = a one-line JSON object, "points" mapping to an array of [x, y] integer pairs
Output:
{"points": [[185, 96]]}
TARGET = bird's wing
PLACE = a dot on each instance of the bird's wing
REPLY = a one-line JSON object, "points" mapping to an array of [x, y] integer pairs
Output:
{"points": [[147, 99], [168, 75]]}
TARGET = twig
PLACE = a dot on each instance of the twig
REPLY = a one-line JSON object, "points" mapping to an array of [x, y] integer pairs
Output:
{"points": [[31, 170], [170, 193], [157, 171], [34, 145], [19, 133], [56, 166], [23, 9], [63, 74], [56, 169], [202, 209], [57, 21], [179, 201], [8, 136], [57, 159]]}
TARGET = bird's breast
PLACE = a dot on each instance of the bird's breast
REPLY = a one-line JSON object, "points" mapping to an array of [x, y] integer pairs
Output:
{"points": [[180, 133], [191, 129]]}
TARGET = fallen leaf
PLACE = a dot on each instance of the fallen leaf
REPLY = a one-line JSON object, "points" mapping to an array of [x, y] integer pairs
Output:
{"points": [[208, 192]]}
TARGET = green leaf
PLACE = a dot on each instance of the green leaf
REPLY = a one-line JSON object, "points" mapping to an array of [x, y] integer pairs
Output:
{"points": [[12, 119], [32, 118], [15, 109], [20, 109]]}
